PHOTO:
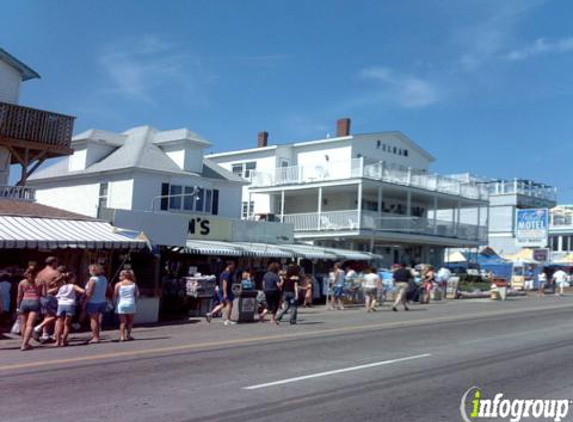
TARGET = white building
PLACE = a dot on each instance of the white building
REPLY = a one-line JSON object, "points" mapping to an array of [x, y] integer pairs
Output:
{"points": [[508, 196], [141, 169], [560, 240], [371, 192]]}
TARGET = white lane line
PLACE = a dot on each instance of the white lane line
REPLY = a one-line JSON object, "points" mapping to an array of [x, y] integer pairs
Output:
{"points": [[338, 371]]}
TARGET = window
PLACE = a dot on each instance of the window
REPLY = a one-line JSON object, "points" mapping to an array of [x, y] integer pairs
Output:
{"points": [[554, 243], [244, 169], [284, 162], [189, 200], [249, 167], [394, 150], [102, 199], [175, 201], [208, 199], [237, 169], [405, 153], [248, 209], [199, 205], [378, 144], [384, 147]]}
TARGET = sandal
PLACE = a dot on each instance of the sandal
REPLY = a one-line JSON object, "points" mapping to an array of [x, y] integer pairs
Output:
{"points": [[25, 348]]}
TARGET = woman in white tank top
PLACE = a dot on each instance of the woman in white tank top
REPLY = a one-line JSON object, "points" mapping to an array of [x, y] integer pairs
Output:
{"points": [[125, 295]]}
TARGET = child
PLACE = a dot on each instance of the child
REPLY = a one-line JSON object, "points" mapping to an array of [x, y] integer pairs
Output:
{"points": [[66, 308]]}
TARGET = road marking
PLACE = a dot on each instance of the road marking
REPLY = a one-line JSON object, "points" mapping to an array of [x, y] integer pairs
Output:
{"points": [[274, 338], [337, 371]]}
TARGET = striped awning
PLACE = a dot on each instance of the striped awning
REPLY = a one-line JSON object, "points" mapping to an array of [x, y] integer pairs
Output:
{"points": [[353, 255], [53, 233], [310, 252], [264, 250], [209, 247]]}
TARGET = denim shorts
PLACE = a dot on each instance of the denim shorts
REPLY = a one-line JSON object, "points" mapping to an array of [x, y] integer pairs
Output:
{"points": [[29, 305], [49, 305], [66, 310], [337, 291], [96, 308]]}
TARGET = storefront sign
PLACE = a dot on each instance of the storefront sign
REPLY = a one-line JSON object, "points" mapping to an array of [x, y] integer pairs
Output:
{"points": [[532, 227], [208, 228], [541, 255]]}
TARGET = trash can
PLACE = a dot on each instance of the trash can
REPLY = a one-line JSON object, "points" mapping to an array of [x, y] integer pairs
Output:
{"points": [[244, 305]]}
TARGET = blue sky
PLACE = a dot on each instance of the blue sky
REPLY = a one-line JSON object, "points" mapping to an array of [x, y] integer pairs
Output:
{"points": [[486, 86]]}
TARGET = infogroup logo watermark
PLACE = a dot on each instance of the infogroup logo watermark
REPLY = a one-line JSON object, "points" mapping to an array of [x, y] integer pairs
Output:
{"points": [[474, 406]]}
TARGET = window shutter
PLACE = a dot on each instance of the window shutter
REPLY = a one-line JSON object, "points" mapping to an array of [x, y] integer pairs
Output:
{"points": [[215, 208], [164, 192]]}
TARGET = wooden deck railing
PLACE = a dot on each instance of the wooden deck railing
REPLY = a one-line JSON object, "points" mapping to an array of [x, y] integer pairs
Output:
{"points": [[32, 125]]}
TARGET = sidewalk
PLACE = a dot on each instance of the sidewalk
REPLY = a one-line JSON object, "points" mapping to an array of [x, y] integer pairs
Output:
{"points": [[198, 335]]}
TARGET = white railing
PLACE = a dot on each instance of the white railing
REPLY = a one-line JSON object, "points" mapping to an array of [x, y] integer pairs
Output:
{"points": [[522, 187], [17, 192], [332, 170], [340, 170], [385, 222], [331, 220]]}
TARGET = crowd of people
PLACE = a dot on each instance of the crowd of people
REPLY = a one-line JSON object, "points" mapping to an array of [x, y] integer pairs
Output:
{"points": [[283, 289], [50, 299], [289, 288]]}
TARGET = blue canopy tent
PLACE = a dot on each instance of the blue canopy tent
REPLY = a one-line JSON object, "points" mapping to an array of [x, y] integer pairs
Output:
{"points": [[496, 265]]}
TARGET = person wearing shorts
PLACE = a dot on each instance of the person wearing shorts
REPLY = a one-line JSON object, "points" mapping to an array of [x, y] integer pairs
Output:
{"points": [[372, 283], [96, 303], [126, 294], [66, 308], [337, 286], [51, 279], [271, 286], [29, 294]]}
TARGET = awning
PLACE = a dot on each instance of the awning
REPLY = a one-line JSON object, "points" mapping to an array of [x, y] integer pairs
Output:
{"points": [[207, 247], [353, 255], [53, 233], [309, 252], [264, 250]]}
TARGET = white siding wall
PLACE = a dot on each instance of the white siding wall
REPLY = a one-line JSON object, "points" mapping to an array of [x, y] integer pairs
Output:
{"points": [[316, 154], [367, 146], [120, 194], [81, 198], [77, 161], [10, 80]]}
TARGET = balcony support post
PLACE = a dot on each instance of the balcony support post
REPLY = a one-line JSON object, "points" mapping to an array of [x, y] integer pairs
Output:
{"points": [[435, 215], [319, 207], [478, 222], [380, 200], [282, 205], [359, 211], [458, 217]]}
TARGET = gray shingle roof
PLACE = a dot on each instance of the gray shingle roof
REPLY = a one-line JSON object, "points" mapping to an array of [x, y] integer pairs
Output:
{"points": [[139, 151]]}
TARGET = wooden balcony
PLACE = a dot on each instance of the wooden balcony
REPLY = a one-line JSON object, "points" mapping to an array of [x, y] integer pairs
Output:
{"points": [[25, 127]]}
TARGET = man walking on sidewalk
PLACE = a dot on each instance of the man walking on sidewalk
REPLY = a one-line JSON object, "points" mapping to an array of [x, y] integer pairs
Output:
{"points": [[402, 278]]}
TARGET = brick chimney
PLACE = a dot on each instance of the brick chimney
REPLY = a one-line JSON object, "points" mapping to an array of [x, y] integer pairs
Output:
{"points": [[343, 127], [262, 139]]}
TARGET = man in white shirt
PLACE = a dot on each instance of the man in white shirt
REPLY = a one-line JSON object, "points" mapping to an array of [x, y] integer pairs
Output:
{"points": [[560, 280]]}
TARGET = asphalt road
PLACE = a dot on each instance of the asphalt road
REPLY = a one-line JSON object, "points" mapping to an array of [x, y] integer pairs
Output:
{"points": [[333, 366]]}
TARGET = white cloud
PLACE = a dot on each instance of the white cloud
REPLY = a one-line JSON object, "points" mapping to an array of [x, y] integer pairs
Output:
{"points": [[407, 90], [492, 27], [135, 70], [541, 46]]}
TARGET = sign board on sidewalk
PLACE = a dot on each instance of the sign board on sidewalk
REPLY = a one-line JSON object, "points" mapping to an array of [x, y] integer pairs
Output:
{"points": [[541, 255], [532, 227]]}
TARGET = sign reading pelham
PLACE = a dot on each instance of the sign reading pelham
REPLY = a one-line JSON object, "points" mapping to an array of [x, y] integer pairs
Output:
{"points": [[532, 227]]}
